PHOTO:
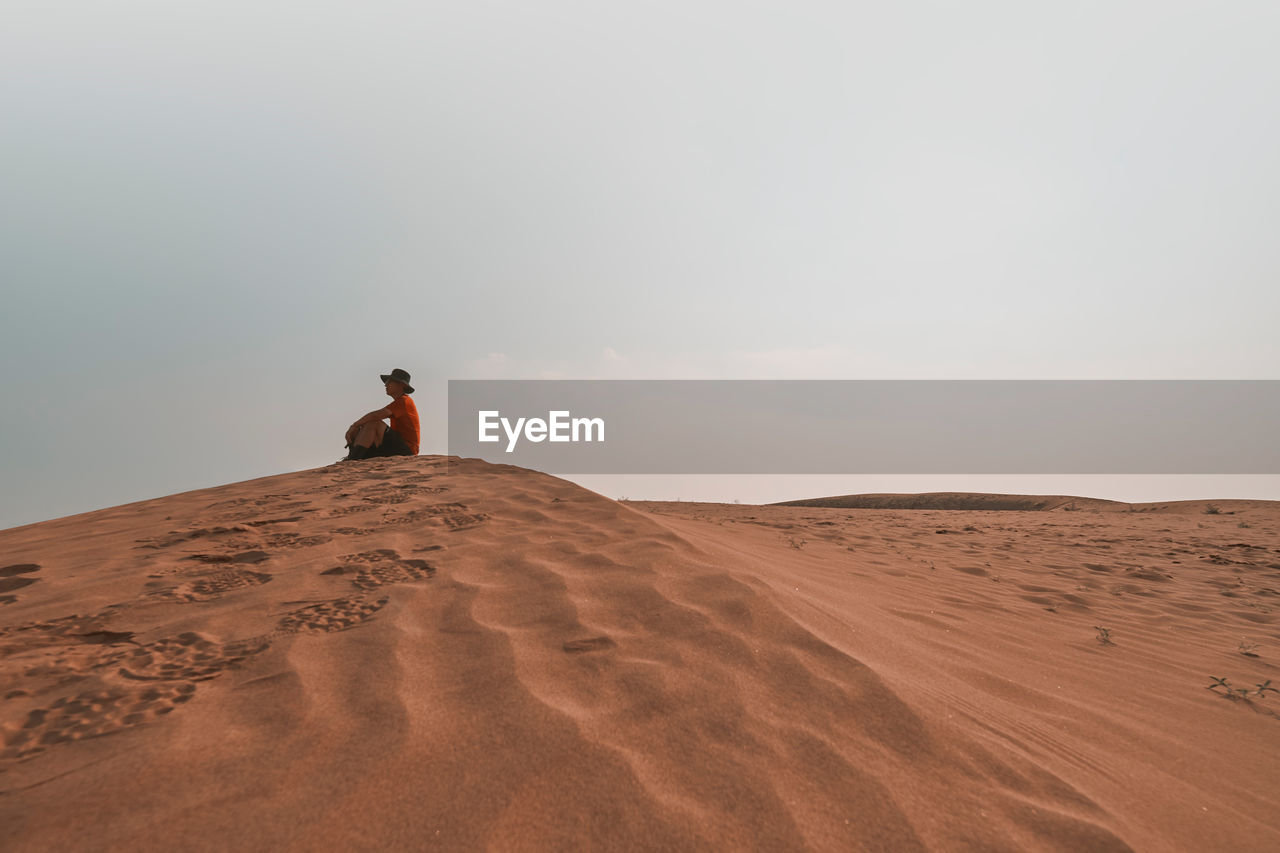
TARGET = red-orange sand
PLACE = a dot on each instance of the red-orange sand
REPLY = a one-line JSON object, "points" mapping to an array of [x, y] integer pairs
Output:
{"points": [[383, 655]]}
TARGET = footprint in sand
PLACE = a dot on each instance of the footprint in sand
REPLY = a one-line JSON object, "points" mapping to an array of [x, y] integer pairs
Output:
{"points": [[264, 522], [337, 512], [354, 531], [178, 536], [329, 616], [463, 521], [386, 498], [368, 571], [218, 533], [45, 659], [242, 552], [11, 579], [372, 569], [77, 623], [188, 656], [249, 557], [212, 586], [247, 510], [135, 683], [388, 494], [296, 540], [82, 647], [92, 714], [591, 644], [19, 569], [453, 516]]}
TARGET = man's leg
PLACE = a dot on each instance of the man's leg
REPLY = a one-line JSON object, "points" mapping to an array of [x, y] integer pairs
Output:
{"points": [[393, 444], [370, 435]]}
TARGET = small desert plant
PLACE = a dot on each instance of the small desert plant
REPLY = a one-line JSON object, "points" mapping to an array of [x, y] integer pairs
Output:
{"points": [[1246, 525], [1235, 694], [796, 543], [1104, 635], [1247, 648], [1210, 509]]}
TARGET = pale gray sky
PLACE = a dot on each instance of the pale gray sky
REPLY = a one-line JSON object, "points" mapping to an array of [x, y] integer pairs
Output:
{"points": [[220, 221]]}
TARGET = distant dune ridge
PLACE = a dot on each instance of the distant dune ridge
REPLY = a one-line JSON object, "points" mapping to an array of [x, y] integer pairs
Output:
{"points": [[434, 653], [978, 501]]}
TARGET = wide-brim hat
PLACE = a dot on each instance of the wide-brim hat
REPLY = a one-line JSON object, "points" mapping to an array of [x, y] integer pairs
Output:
{"points": [[401, 376]]}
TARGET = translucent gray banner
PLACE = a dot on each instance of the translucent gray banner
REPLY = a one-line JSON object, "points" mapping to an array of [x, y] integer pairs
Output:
{"points": [[870, 426]]}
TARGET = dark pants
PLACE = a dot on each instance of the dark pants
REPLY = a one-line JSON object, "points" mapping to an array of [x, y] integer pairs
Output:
{"points": [[392, 445]]}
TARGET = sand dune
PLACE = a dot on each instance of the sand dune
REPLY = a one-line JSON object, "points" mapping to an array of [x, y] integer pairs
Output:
{"points": [[384, 654], [1029, 503]]}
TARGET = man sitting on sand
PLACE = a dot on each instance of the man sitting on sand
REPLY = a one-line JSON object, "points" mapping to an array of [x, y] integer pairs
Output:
{"points": [[370, 437]]}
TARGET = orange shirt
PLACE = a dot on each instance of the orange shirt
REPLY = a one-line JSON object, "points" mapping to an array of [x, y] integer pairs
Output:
{"points": [[404, 420]]}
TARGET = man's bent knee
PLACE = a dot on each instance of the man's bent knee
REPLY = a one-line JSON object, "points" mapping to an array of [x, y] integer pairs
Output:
{"points": [[370, 435]]}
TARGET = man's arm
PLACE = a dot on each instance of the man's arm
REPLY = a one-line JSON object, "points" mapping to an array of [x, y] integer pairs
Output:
{"points": [[367, 419]]}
